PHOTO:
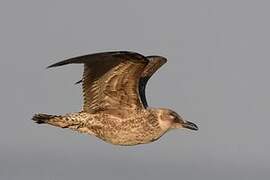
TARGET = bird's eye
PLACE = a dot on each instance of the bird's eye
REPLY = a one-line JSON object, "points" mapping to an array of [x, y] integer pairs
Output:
{"points": [[171, 117]]}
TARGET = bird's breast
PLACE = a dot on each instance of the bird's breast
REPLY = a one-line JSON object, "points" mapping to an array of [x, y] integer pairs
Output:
{"points": [[139, 130]]}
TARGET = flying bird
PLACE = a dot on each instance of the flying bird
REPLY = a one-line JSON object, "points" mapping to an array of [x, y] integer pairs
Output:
{"points": [[115, 107]]}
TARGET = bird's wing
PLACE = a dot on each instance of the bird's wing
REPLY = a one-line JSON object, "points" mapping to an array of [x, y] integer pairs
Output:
{"points": [[110, 80], [155, 62]]}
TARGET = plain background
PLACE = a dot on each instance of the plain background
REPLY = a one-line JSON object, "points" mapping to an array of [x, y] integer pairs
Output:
{"points": [[217, 76]]}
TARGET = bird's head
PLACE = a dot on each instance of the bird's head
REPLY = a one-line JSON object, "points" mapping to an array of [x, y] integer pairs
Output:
{"points": [[169, 119]]}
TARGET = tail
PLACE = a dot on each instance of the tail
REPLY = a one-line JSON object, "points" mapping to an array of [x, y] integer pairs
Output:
{"points": [[58, 121], [43, 118]]}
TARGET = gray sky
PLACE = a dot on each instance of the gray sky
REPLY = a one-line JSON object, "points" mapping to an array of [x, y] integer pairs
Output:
{"points": [[217, 76]]}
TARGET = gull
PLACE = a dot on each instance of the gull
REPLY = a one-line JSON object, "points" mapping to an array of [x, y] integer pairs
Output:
{"points": [[114, 102]]}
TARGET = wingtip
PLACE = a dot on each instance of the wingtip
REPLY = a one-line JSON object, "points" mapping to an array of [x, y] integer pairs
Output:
{"points": [[161, 59], [49, 67], [78, 82], [54, 65]]}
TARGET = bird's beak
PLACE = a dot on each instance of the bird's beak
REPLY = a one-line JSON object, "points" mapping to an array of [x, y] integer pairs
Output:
{"points": [[190, 125]]}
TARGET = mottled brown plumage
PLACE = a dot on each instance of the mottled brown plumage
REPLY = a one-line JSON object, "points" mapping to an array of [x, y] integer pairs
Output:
{"points": [[115, 107]]}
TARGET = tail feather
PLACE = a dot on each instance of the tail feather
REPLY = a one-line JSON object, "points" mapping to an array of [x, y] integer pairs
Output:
{"points": [[71, 122], [42, 118], [59, 121]]}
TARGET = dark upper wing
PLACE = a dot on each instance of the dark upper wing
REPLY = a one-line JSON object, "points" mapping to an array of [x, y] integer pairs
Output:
{"points": [[110, 80], [155, 62]]}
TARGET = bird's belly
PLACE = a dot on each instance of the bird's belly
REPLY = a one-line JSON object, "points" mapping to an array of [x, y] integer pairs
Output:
{"points": [[129, 138], [130, 131]]}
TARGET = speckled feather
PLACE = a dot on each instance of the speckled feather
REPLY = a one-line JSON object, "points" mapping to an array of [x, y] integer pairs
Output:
{"points": [[115, 108]]}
